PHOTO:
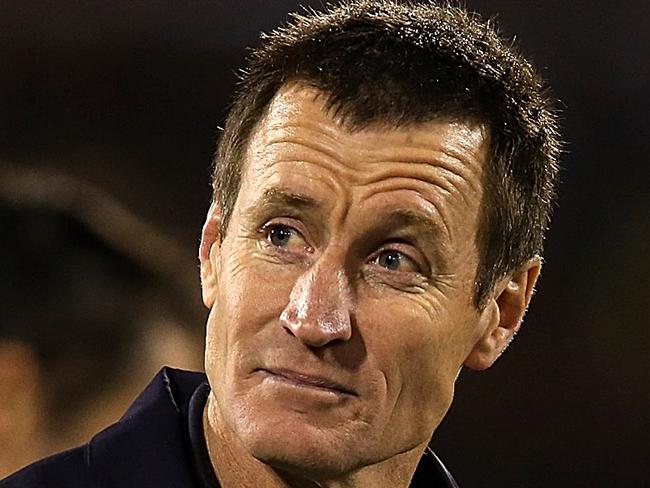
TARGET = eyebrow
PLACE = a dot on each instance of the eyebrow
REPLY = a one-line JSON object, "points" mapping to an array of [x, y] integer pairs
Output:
{"points": [[429, 231], [404, 217], [278, 198]]}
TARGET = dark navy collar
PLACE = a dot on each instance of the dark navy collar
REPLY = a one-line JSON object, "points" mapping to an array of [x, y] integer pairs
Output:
{"points": [[202, 463]]}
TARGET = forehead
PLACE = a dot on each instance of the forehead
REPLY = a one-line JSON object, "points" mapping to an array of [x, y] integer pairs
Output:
{"points": [[436, 166], [299, 108]]}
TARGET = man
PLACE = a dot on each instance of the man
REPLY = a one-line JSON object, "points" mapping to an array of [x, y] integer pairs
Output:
{"points": [[382, 188]]}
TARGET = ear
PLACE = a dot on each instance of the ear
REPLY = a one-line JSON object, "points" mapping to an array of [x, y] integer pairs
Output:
{"points": [[501, 318], [208, 254]]}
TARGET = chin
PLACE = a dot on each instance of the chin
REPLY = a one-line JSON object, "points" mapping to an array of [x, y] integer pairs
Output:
{"points": [[301, 458], [301, 448]]}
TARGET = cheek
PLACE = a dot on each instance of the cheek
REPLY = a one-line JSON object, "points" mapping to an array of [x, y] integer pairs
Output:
{"points": [[420, 352], [429, 374], [251, 294]]}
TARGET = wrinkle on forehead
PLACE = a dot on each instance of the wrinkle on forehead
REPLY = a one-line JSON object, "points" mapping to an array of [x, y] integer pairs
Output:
{"points": [[297, 116], [441, 160], [294, 99]]}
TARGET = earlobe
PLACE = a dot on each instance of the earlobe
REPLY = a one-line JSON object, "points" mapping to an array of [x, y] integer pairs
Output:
{"points": [[501, 318], [208, 253]]}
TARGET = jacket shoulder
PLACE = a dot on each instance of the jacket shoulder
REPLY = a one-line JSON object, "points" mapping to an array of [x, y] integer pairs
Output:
{"points": [[149, 445], [146, 447], [64, 470]]}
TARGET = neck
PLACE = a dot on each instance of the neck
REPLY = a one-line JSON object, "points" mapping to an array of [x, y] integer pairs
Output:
{"points": [[236, 467]]}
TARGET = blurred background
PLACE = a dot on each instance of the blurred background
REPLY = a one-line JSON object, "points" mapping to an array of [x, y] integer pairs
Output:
{"points": [[109, 113]]}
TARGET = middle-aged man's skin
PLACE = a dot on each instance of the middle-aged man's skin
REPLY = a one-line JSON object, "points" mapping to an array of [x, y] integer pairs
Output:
{"points": [[342, 297]]}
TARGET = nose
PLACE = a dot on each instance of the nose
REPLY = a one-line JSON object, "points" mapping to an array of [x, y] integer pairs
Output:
{"points": [[318, 312]]}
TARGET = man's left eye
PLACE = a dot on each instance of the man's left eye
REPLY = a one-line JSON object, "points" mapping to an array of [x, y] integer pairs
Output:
{"points": [[396, 261], [280, 235]]}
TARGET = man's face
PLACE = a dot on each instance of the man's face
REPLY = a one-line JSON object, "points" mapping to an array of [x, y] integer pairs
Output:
{"points": [[343, 306]]}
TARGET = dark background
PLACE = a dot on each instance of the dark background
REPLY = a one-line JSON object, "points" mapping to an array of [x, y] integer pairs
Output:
{"points": [[129, 95]]}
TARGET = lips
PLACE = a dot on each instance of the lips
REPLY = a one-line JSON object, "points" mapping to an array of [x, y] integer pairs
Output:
{"points": [[301, 379]]}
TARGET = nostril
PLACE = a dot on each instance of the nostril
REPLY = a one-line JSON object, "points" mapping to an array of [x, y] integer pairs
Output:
{"points": [[289, 317]]}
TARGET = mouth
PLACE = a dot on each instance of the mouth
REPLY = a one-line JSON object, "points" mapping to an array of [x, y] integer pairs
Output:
{"points": [[303, 380]]}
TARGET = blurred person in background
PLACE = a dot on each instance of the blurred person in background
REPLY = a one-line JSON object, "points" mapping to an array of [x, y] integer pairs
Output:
{"points": [[94, 302]]}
